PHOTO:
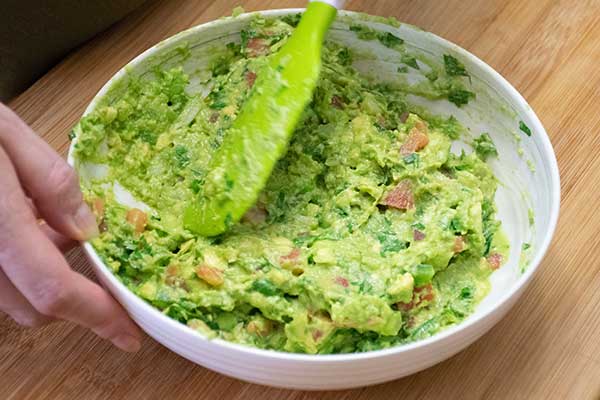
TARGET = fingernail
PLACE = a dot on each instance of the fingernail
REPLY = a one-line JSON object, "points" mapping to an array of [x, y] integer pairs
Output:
{"points": [[127, 343], [86, 222]]}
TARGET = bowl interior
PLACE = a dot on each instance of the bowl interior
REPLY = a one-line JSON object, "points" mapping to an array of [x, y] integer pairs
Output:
{"points": [[528, 194]]}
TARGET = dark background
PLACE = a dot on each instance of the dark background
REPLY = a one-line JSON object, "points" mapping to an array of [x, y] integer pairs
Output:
{"points": [[36, 34]]}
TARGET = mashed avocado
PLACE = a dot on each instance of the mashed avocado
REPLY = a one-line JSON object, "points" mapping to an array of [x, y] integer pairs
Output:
{"points": [[370, 232]]}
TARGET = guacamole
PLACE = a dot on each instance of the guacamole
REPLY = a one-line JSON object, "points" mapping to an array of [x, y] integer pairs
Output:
{"points": [[370, 232]]}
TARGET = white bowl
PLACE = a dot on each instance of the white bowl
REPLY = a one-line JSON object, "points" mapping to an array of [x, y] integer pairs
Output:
{"points": [[497, 109]]}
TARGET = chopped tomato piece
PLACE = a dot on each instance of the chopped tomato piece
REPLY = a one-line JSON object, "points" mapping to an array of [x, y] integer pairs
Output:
{"points": [[290, 258], [421, 126], [384, 123], [210, 275], [406, 306], [259, 328], [421, 294], [257, 47], [495, 260], [229, 110], [252, 327], [172, 277], [404, 116], [103, 226], [250, 78], [401, 196], [410, 323], [138, 219], [340, 280], [447, 173], [459, 244], [425, 293], [317, 334], [418, 235], [417, 140], [98, 210], [172, 270], [337, 102], [213, 117], [98, 207], [256, 215]]}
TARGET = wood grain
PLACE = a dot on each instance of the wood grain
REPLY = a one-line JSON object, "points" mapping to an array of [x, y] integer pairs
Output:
{"points": [[549, 344]]}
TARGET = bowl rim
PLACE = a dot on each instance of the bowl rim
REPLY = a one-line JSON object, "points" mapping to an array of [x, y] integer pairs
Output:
{"points": [[512, 94]]}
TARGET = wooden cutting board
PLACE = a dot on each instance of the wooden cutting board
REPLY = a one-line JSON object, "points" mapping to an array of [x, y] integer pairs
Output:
{"points": [[549, 344]]}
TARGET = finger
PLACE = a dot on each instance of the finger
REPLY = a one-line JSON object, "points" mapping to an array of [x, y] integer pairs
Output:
{"points": [[61, 242], [52, 184], [37, 269], [32, 207], [16, 305]]}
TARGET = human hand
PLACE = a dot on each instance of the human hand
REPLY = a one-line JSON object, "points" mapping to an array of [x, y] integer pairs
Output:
{"points": [[37, 285]]}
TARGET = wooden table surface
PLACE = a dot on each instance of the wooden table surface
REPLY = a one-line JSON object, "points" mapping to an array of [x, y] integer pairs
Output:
{"points": [[549, 344]]}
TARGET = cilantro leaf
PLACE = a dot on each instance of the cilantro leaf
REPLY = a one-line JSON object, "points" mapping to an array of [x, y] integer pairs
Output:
{"points": [[467, 292], [196, 185], [419, 226], [292, 19], [460, 97], [265, 286], [523, 127], [344, 56], [390, 243], [389, 40], [182, 157], [412, 158], [454, 67], [490, 224], [363, 32], [411, 61], [457, 226]]}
